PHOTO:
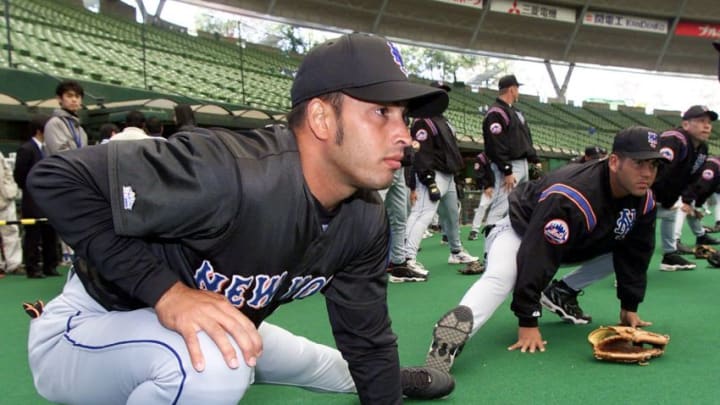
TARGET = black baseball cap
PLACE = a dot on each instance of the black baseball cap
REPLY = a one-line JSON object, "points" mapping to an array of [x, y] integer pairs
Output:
{"points": [[439, 84], [365, 67], [595, 151], [507, 81], [637, 143], [698, 111]]}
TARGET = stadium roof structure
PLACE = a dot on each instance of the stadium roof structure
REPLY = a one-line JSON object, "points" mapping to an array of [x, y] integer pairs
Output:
{"points": [[659, 35]]}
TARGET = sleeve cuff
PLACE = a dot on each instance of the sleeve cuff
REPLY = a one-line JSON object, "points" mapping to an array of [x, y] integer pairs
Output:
{"points": [[629, 306], [155, 285], [527, 322]]}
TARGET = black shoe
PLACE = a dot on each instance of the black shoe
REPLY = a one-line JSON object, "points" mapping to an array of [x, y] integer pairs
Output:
{"points": [[473, 235], [35, 275], [683, 249], [402, 273], [562, 300], [444, 240], [52, 273], [673, 261], [706, 240], [425, 383], [712, 229], [449, 336], [486, 230]]}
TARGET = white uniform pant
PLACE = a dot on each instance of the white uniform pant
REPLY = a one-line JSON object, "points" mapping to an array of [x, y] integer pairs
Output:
{"points": [[499, 201], [481, 211], [82, 354], [500, 275], [423, 210], [498, 280], [695, 224], [11, 257]]}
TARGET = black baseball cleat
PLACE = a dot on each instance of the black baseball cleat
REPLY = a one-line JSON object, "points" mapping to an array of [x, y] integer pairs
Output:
{"points": [[713, 229], [672, 261], [404, 273], [559, 298], [449, 336], [706, 240], [425, 383], [473, 235]]}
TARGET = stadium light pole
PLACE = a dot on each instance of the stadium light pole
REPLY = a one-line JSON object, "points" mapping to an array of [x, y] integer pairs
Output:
{"points": [[241, 49], [7, 29]]}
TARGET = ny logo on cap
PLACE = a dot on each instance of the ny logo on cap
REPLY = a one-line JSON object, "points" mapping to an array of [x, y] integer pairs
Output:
{"points": [[652, 139], [395, 52]]}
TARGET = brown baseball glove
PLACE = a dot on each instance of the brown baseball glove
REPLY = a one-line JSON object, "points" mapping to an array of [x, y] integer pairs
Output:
{"points": [[624, 344], [34, 309], [704, 251], [472, 268]]}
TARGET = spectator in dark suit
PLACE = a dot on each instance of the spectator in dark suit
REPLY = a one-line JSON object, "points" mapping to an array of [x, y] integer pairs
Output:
{"points": [[40, 239], [184, 118], [154, 127]]}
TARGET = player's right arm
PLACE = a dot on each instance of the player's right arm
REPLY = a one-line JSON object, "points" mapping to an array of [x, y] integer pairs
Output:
{"points": [[497, 141], [673, 146], [498, 145], [358, 313], [76, 190], [555, 225]]}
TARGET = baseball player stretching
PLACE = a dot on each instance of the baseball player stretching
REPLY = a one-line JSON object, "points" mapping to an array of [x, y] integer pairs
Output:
{"points": [[436, 163], [686, 149], [600, 213], [182, 256]]}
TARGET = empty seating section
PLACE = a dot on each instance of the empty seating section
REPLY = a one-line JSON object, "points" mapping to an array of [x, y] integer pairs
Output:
{"points": [[68, 42], [65, 41]]}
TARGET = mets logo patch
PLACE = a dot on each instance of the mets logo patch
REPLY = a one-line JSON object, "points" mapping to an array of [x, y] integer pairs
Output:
{"points": [[708, 174], [421, 135], [395, 52], [495, 128], [652, 139], [557, 231], [624, 223], [668, 153], [128, 198]]}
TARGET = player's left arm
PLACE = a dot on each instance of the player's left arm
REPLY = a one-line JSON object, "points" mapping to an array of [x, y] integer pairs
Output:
{"points": [[631, 258], [357, 307], [697, 192]]}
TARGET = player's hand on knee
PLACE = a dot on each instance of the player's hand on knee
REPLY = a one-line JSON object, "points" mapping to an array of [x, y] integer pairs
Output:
{"points": [[529, 340], [510, 182], [629, 318], [189, 311]]}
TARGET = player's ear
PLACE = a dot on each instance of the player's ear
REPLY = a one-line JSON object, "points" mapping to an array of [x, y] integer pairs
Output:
{"points": [[319, 115], [613, 162]]}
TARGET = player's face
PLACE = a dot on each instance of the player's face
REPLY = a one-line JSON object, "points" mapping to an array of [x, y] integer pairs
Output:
{"points": [[369, 144], [631, 176], [70, 101], [699, 128]]}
